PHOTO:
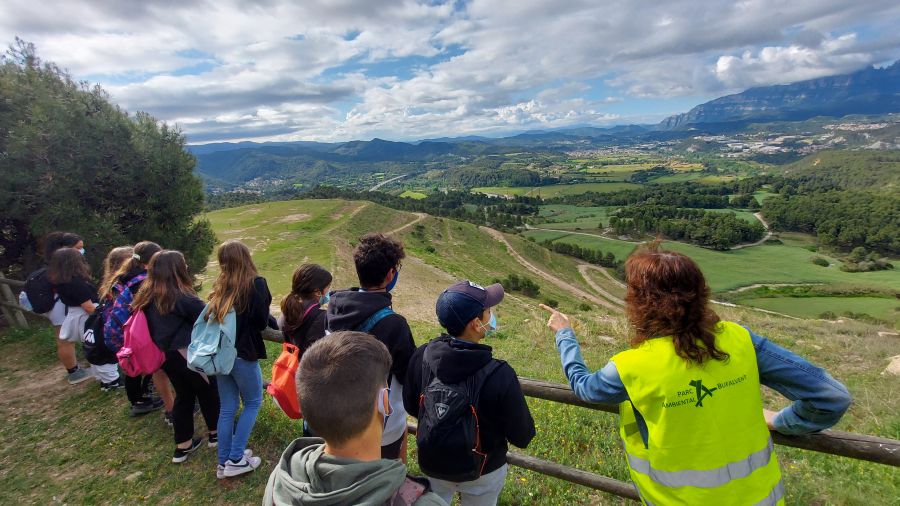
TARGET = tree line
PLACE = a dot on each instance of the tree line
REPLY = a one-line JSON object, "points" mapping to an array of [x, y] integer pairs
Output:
{"points": [[705, 228], [72, 160]]}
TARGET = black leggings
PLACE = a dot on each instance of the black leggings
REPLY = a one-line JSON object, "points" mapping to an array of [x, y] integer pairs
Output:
{"points": [[190, 385], [137, 388]]}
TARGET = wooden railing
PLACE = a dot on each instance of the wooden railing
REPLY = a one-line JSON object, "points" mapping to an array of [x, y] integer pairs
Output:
{"points": [[845, 444]]}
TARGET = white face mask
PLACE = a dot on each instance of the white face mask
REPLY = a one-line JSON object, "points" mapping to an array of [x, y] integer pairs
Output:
{"points": [[81, 251]]}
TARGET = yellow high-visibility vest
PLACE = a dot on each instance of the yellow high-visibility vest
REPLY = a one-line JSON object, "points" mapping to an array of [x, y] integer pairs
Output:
{"points": [[707, 438]]}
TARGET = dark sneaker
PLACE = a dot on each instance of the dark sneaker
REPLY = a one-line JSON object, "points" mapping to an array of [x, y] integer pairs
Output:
{"points": [[213, 441], [245, 465], [144, 407], [181, 454], [114, 385], [167, 416], [78, 375]]}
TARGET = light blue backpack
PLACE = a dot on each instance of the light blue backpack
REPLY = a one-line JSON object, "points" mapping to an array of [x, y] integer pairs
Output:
{"points": [[212, 350]]}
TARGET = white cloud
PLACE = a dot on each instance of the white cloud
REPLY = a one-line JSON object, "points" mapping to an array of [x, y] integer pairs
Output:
{"points": [[341, 69]]}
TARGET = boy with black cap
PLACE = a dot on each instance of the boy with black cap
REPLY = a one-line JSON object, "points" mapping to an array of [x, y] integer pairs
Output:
{"points": [[469, 404]]}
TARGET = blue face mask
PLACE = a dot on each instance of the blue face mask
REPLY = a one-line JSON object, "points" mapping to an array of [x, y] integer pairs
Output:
{"points": [[81, 251], [324, 299], [491, 326], [393, 282]]}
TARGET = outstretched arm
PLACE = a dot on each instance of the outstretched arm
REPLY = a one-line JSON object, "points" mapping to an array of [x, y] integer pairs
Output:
{"points": [[604, 385]]}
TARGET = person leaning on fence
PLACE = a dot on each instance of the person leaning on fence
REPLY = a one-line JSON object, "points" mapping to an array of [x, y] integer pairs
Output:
{"points": [[690, 409], [346, 400], [171, 307], [368, 309], [55, 309], [468, 403]]}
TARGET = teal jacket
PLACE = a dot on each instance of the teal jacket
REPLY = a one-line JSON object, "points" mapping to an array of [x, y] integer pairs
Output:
{"points": [[306, 475]]}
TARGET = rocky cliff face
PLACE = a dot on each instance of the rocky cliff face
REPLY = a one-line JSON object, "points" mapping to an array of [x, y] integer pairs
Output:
{"points": [[868, 91]]}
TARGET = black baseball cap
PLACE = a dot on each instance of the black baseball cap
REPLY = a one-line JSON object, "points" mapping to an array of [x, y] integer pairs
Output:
{"points": [[463, 301]]}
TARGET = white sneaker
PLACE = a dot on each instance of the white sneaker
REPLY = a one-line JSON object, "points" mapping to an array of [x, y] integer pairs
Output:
{"points": [[220, 469], [245, 465]]}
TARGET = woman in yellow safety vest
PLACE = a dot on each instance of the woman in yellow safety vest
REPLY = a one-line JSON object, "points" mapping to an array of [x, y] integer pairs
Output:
{"points": [[690, 411]]}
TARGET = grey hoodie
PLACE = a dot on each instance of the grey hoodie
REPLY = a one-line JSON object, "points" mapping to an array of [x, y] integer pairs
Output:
{"points": [[305, 475]]}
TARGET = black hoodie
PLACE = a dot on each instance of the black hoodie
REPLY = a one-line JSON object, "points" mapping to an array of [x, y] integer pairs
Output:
{"points": [[349, 309], [502, 411]]}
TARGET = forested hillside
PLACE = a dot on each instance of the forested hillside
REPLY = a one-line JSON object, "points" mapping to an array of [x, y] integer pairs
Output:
{"points": [[72, 160]]}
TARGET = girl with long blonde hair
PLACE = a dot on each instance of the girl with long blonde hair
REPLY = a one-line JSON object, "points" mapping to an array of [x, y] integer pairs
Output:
{"points": [[239, 287]]}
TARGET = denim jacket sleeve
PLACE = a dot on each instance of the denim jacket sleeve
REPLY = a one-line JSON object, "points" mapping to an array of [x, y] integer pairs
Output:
{"points": [[604, 386], [819, 399]]}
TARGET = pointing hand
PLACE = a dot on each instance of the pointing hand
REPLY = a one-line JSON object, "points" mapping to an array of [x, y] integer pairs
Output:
{"points": [[557, 320]]}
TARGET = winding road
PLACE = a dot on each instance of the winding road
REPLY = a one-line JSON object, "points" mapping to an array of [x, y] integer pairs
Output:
{"points": [[584, 268], [759, 217], [419, 217], [496, 234]]}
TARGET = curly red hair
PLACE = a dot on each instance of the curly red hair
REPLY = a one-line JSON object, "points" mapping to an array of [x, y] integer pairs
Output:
{"points": [[668, 296]]}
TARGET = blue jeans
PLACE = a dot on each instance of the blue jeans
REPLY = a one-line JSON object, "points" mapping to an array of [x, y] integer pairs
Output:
{"points": [[243, 384]]}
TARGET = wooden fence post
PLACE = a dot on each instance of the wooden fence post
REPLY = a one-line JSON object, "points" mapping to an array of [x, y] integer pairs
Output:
{"points": [[13, 316]]}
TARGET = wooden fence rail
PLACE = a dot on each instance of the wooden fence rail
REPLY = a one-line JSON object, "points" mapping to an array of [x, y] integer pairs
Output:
{"points": [[846, 444]]}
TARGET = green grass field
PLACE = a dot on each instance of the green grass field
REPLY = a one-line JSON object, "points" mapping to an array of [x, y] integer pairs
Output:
{"points": [[75, 445], [744, 215], [883, 308], [556, 190], [411, 194]]}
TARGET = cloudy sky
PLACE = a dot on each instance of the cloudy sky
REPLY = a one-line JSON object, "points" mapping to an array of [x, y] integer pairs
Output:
{"points": [[396, 69]]}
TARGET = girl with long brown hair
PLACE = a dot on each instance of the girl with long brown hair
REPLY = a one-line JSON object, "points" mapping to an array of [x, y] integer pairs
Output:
{"points": [[171, 306], [690, 411], [70, 275], [302, 316], [128, 278], [239, 287]]}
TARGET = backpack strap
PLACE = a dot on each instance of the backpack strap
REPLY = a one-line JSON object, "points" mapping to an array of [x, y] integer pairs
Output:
{"points": [[480, 378], [373, 320]]}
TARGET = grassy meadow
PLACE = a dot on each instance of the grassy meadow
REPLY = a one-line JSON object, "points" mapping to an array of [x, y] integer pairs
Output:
{"points": [[557, 190], [76, 445]]}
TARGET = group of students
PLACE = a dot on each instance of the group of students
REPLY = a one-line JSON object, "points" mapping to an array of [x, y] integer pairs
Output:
{"points": [[691, 415]]}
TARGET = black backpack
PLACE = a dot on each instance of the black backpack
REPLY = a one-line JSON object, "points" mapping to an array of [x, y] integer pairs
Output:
{"points": [[95, 350], [40, 291], [448, 437]]}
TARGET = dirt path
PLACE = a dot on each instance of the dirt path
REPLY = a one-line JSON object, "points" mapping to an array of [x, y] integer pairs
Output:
{"points": [[419, 217], [768, 235], [584, 268], [773, 285], [350, 216], [496, 234], [529, 227], [391, 180]]}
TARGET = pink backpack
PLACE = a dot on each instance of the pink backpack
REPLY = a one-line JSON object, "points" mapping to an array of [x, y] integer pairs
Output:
{"points": [[139, 354]]}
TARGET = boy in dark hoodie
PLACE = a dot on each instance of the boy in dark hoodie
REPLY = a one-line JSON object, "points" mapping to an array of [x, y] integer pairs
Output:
{"points": [[458, 358], [344, 396], [368, 309]]}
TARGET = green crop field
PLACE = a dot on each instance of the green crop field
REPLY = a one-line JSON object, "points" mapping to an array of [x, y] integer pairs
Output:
{"points": [[556, 190], [412, 194], [883, 308], [134, 453], [568, 217]]}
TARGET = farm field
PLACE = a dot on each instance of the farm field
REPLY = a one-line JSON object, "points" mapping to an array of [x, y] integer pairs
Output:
{"points": [[744, 215], [569, 217], [728, 270], [439, 251], [883, 308], [412, 194], [556, 190]]}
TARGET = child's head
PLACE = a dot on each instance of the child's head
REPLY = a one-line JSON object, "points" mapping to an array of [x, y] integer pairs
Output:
{"points": [[167, 278], [56, 240], [67, 265], [310, 282], [377, 256], [233, 285], [115, 259], [341, 381]]}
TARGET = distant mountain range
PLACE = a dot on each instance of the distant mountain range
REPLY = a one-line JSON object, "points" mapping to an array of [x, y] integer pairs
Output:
{"points": [[868, 91]]}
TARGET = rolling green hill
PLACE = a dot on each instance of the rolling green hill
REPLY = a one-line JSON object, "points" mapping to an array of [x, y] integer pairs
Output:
{"points": [[440, 251]]}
